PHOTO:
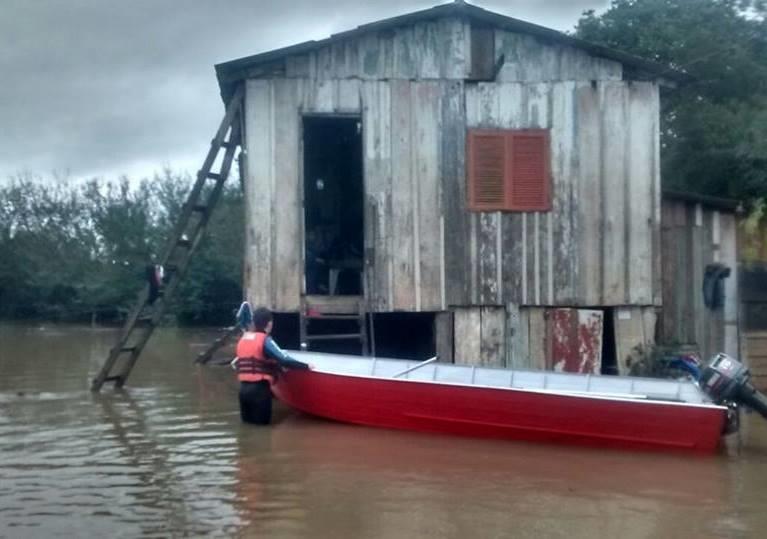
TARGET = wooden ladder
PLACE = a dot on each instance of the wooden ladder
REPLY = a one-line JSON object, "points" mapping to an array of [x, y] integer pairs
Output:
{"points": [[316, 309], [189, 230]]}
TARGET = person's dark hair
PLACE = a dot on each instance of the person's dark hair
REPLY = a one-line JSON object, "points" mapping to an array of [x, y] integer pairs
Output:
{"points": [[261, 318]]}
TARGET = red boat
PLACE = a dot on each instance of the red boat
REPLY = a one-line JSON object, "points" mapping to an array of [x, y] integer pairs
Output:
{"points": [[612, 411]]}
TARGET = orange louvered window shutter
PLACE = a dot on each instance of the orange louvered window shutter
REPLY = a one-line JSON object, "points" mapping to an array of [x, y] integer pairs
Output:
{"points": [[487, 170], [529, 179], [509, 170]]}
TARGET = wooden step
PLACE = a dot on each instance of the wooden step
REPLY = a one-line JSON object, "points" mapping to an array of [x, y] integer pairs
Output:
{"points": [[325, 316], [333, 304], [334, 337]]}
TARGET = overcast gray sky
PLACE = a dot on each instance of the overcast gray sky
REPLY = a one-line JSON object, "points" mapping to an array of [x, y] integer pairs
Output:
{"points": [[110, 87]]}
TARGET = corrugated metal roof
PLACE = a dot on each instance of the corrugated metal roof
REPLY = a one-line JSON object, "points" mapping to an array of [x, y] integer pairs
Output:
{"points": [[228, 72]]}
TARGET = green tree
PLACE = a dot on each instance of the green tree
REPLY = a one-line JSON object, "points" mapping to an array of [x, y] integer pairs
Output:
{"points": [[122, 219], [714, 127], [71, 250], [212, 288], [46, 243]]}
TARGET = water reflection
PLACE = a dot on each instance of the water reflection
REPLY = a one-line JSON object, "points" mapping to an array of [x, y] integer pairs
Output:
{"points": [[169, 456], [427, 485], [179, 488]]}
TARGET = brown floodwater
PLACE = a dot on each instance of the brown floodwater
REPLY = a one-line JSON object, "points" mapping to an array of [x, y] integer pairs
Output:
{"points": [[168, 457]]}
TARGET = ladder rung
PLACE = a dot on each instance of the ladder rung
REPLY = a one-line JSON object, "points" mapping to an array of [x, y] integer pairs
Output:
{"points": [[333, 337], [126, 349], [200, 207], [227, 144], [208, 175], [183, 242], [112, 378]]}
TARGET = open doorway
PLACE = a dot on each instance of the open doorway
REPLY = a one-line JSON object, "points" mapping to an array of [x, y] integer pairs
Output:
{"points": [[333, 205], [609, 356]]}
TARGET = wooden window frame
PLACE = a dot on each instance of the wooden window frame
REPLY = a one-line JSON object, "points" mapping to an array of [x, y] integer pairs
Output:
{"points": [[508, 204]]}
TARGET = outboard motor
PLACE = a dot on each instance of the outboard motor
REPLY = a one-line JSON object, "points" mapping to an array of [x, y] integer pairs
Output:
{"points": [[726, 381]]}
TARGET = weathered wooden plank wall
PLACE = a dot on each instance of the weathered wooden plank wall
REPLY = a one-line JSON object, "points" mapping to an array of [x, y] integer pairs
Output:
{"points": [[574, 340], [527, 59], [634, 333], [755, 349], [480, 335], [259, 192], [274, 180], [379, 266], [414, 247], [694, 236], [596, 245], [404, 219], [441, 49], [426, 50], [423, 250]]}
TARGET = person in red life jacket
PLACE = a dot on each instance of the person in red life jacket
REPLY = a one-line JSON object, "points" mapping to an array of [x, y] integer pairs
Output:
{"points": [[258, 363]]}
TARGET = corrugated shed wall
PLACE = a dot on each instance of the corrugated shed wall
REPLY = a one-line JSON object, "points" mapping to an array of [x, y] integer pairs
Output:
{"points": [[693, 237]]}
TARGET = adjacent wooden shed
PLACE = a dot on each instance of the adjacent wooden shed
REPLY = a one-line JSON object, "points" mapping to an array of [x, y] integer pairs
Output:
{"points": [[500, 176], [700, 274], [753, 296]]}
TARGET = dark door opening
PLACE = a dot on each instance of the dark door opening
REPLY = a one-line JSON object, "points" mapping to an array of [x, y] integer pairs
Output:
{"points": [[333, 205], [609, 355]]}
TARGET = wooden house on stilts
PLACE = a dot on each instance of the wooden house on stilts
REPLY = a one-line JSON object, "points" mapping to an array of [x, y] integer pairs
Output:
{"points": [[494, 178]]}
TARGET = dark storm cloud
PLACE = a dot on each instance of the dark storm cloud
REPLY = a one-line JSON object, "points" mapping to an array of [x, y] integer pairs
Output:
{"points": [[109, 87]]}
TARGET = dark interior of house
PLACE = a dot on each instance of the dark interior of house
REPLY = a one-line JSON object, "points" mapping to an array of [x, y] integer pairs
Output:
{"points": [[333, 205], [395, 335], [609, 359]]}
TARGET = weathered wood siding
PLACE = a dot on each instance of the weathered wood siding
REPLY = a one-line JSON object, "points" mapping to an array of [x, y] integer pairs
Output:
{"points": [[436, 49], [635, 329], [274, 180], [441, 49], [424, 252], [404, 241], [693, 237], [599, 243], [755, 351], [545, 338], [527, 59]]}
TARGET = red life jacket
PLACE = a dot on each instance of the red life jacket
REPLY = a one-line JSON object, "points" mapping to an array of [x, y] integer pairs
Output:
{"points": [[252, 363]]}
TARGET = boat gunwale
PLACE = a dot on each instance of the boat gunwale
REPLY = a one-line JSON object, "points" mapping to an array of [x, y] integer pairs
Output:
{"points": [[639, 399]]}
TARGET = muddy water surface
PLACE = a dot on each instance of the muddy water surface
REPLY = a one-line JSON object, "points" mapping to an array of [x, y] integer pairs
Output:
{"points": [[169, 457]]}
